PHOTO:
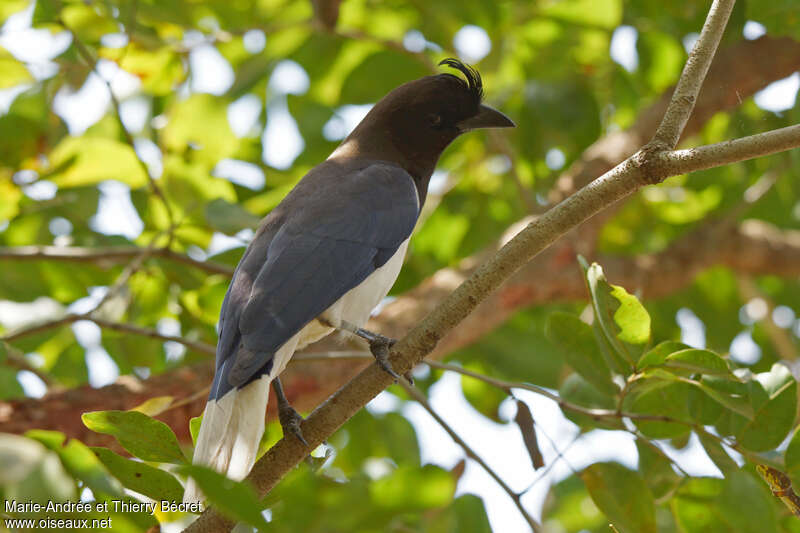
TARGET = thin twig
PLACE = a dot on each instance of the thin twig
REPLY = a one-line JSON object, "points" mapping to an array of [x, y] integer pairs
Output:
{"points": [[129, 270], [561, 455], [107, 324], [17, 360], [420, 398], [673, 163], [87, 56], [197, 346], [100, 255], [596, 414], [693, 75]]}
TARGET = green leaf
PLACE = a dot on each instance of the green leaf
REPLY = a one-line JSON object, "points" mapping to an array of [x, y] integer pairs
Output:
{"points": [[160, 70], [154, 406], [745, 504], [31, 472], [576, 341], [88, 23], [623, 320], [717, 453], [411, 487], [622, 495], [9, 386], [12, 72], [46, 11], [378, 74], [662, 58], [702, 408], [485, 398], [792, 458], [199, 124], [662, 399], [142, 436], [577, 390], [603, 13], [656, 470], [10, 7], [194, 427], [470, 515], [367, 435], [657, 355], [79, 461], [718, 390], [631, 317], [85, 160], [141, 477], [695, 360], [235, 499], [228, 217], [775, 414]]}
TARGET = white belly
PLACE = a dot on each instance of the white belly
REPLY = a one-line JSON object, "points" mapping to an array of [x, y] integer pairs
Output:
{"points": [[357, 304]]}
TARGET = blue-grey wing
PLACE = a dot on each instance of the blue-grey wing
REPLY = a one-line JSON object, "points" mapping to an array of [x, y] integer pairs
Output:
{"points": [[329, 242]]}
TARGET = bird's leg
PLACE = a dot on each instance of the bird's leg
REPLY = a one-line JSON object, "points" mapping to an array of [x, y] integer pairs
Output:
{"points": [[378, 345], [289, 418]]}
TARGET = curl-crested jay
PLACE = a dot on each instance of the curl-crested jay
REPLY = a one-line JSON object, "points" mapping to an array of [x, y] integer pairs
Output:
{"points": [[328, 254]]}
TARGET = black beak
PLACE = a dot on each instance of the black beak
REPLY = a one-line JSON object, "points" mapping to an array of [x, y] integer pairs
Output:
{"points": [[486, 118]]}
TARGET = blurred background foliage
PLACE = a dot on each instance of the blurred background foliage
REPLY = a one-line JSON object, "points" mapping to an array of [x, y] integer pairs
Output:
{"points": [[217, 108]]}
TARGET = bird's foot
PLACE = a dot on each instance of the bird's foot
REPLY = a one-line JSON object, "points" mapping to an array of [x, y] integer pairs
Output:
{"points": [[290, 422], [289, 418], [380, 347]]}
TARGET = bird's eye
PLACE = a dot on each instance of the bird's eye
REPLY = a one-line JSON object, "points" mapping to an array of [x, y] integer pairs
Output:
{"points": [[435, 120]]}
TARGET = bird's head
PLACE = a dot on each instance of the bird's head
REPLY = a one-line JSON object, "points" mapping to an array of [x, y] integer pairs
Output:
{"points": [[415, 122]]}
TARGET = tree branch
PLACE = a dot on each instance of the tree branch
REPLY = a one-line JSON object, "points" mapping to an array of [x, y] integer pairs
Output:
{"points": [[714, 155], [738, 72], [693, 75], [200, 347], [103, 256], [87, 56]]}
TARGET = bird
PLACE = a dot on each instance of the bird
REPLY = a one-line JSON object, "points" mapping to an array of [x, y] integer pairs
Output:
{"points": [[326, 255]]}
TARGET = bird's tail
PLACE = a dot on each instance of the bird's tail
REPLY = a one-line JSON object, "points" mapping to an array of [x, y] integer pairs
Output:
{"points": [[233, 425], [230, 434]]}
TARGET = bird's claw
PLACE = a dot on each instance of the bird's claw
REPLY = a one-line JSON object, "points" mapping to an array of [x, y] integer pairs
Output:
{"points": [[290, 422], [380, 346]]}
